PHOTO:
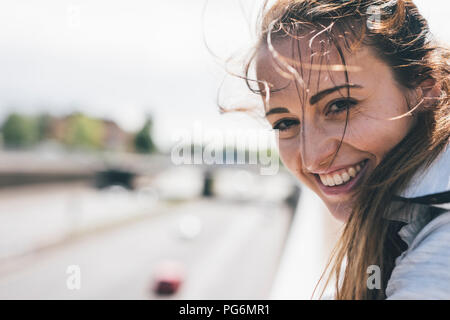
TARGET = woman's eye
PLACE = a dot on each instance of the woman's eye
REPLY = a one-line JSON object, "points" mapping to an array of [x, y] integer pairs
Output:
{"points": [[285, 124], [340, 106]]}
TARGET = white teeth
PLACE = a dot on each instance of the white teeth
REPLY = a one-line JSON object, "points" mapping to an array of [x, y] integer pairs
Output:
{"points": [[345, 176], [330, 181], [338, 179], [352, 172]]}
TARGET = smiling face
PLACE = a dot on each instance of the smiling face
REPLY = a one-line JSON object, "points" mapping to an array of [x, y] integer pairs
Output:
{"points": [[311, 119]]}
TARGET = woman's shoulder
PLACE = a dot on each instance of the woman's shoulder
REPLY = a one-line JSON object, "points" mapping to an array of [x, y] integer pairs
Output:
{"points": [[423, 270]]}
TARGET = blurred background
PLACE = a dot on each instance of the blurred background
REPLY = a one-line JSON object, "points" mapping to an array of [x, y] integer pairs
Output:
{"points": [[94, 97]]}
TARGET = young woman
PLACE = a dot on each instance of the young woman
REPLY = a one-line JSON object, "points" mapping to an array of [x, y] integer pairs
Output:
{"points": [[359, 93]]}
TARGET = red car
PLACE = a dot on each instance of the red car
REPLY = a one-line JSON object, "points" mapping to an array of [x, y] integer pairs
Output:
{"points": [[168, 277]]}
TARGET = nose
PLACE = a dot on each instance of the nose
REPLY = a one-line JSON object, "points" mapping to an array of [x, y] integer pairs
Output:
{"points": [[318, 147]]}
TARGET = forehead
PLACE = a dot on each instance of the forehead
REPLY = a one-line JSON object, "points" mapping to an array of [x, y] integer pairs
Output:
{"points": [[318, 64]]}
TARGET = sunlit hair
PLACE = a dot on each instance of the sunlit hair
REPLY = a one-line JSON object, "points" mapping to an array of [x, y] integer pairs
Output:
{"points": [[401, 38]]}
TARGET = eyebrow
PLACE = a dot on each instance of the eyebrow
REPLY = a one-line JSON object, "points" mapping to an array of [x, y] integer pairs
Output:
{"points": [[315, 98], [318, 96], [277, 110]]}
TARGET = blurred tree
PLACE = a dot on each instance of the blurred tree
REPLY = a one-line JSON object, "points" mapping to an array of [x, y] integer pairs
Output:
{"points": [[143, 141], [19, 131], [83, 132], [43, 123]]}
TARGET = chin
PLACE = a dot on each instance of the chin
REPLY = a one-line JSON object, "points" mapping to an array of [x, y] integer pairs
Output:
{"points": [[340, 211], [338, 205]]}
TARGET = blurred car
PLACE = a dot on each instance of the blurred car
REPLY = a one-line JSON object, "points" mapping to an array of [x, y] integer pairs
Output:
{"points": [[113, 177], [168, 277]]}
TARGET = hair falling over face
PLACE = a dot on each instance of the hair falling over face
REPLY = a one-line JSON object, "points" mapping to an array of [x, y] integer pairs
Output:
{"points": [[402, 40]]}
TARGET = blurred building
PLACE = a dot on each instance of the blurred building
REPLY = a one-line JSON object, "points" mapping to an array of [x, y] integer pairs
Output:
{"points": [[103, 133]]}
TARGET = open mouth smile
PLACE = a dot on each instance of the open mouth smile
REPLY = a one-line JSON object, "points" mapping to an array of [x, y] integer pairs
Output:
{"points": [[343, 180]]}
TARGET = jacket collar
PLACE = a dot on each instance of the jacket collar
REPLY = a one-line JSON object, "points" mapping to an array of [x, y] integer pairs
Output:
{"points": [[432, 179], [426, 181]]}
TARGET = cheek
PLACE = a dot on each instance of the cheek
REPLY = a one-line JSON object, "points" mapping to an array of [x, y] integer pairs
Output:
{"points": [[289, 150], [290, 155], [373, 132], [377, 136]]}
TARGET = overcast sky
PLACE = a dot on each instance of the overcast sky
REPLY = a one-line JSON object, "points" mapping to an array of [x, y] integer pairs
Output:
{"points": [[124, 59]]}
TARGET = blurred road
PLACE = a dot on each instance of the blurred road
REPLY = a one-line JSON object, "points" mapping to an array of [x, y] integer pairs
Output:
{"points": [[37, 216], [234, 256]]}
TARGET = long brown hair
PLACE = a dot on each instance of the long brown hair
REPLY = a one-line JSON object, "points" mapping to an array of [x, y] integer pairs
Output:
{"points": [[402, 39]]}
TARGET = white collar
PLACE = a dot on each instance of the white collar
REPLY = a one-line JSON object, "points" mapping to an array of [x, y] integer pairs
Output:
{"points": [[433, 179], [426, 181]]}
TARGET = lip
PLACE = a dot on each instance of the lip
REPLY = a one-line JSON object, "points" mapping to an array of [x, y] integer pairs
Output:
{"points": [[337, 168], [343, 188]]}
